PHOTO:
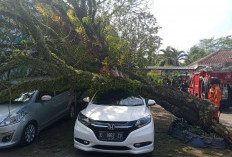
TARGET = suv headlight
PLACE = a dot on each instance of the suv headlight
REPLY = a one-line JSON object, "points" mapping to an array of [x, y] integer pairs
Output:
{"points": [[13, 119], [83, 119], [143, 121]]}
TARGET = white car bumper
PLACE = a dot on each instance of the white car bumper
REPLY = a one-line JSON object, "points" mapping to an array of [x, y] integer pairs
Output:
{"points": [[141, 135]]}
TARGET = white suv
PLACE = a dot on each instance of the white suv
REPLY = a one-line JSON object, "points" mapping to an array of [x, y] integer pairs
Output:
{"points": [[116, 122]]}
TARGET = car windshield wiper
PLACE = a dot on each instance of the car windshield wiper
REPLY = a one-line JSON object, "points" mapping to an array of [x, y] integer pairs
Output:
{"points": [[129, 105], [120, 104]]}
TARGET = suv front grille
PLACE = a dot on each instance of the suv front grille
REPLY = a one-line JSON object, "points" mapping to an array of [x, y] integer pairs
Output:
{"points": [[118, 127]]}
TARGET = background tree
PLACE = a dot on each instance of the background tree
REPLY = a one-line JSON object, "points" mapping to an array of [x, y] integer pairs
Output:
{"points": [[195, 54], [136, 30], [139, 32], [170, 57], [214, 44]]}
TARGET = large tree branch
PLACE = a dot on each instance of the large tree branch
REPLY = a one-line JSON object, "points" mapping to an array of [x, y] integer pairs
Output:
{"points": [[35, 63]]}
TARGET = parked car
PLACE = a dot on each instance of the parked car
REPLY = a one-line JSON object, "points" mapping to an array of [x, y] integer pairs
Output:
{"points": [[31, 112], [117, 122]]}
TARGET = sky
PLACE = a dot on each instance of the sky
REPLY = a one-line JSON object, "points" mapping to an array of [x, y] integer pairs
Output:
{"points": [[185, 22]]}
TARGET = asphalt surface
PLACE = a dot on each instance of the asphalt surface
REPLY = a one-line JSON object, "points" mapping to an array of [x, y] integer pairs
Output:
{"points": [[226, 118]]}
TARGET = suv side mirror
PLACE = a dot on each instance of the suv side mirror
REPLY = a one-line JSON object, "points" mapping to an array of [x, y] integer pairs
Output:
{"points": [[86, 99], [46, 98], [151, 102]]}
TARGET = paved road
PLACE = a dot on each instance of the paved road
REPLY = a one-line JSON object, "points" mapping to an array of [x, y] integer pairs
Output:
{"points": [[226, 118]]}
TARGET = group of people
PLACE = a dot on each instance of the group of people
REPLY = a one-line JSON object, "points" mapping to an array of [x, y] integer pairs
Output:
{"points": [[214, 94]]}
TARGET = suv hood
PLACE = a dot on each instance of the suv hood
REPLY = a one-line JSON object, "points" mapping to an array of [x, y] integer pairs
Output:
{"points": [[4, 111], [115, 113]]}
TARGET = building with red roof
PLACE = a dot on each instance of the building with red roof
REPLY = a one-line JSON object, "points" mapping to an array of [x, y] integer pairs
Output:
{"points": [[221, 58]]}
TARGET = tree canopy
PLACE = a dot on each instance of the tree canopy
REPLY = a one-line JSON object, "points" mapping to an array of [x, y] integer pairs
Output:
{"points": [[214, 44], [195, 54], [170, 57], [59, 40], [84, 35]]}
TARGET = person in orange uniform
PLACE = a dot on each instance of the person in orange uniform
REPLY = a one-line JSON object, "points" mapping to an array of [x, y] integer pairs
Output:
{"points": [[215, 94]]}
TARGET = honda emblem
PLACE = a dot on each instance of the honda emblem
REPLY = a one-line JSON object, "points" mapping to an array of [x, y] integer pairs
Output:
{"points": [[111, 126]]}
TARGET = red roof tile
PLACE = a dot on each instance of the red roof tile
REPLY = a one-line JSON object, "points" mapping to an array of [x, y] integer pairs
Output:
{"points": [[219, 57]]}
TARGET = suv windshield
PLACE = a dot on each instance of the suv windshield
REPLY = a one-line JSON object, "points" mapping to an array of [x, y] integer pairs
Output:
{"points": [[118, 98]]}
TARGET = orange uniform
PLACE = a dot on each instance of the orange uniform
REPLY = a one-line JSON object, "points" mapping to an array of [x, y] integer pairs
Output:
{"points": [[215, 96]]}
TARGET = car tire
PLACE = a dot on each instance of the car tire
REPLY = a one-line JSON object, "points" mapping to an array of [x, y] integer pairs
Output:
{"points": [[72, 112], [29, 134]]}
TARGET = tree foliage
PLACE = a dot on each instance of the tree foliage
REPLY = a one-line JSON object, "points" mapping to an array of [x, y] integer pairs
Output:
{"points": [[77, 34], [138, 29], [170, 57], [195, 54], [214, 44]]}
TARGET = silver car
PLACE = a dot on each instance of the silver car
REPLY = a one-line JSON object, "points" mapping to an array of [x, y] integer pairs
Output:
{"points": [[31, 112]]}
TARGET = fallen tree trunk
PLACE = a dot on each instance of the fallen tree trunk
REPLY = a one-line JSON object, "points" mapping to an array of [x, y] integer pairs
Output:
{"points": [[183, 105]]}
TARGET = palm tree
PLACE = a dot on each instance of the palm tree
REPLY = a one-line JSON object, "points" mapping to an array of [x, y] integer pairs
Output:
{"points": [[171, 57]]}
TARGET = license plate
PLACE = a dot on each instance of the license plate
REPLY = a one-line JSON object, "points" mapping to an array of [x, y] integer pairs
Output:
{"points": [[110, 136]]}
